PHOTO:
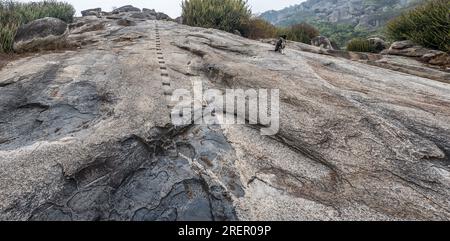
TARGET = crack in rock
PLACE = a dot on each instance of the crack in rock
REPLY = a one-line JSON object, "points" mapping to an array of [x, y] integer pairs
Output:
{"points": [[151, 179]]}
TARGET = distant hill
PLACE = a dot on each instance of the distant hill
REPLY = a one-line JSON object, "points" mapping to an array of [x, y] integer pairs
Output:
{"points": [[355, 16], [369, 14]]}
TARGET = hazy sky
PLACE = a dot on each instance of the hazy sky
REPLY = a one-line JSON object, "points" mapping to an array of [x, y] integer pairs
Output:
{"points": [[171, 7]]}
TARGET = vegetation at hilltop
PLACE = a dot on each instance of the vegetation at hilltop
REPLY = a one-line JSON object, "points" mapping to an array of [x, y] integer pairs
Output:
{"points": [[427, 25], [227, 15]]}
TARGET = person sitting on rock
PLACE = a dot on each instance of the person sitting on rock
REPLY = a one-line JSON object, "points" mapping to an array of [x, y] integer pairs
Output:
{"points": [[281, 44]]}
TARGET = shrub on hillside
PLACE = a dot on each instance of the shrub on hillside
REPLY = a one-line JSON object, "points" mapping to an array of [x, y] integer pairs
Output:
{"points": [[360, 45], [427, 25], [257, 28], [7, 34], [15, 14], [302, 32], [227, 15], [341, 34]]}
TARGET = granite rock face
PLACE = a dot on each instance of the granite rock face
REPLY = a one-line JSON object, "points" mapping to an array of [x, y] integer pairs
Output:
{"points": [[86, 134]]}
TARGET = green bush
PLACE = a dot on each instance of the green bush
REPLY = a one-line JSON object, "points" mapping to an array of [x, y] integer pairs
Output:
{"points": [[427, 25], [227, 15], [7, 34], [360, 45], [341, 34], [302, 32], [14, 14], [257, 28]]}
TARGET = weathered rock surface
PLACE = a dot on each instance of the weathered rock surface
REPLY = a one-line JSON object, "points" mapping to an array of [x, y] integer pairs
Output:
{"points": [[42, 34], [402, 64], [409, 49], [86, 134]]}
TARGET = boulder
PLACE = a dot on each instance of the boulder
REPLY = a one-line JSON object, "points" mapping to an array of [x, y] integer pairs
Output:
{"points": [[179, 20], [150, 14], [440, 58], [150, 11], [143, 15], [406, 48], [321, 41], [91, 12], [402, 44], [409, 49], [41, 34], [126, 8], [378, 43], [162, 16]]}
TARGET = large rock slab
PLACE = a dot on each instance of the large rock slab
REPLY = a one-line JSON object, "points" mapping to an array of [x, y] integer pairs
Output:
{"points": [[86, 134]]}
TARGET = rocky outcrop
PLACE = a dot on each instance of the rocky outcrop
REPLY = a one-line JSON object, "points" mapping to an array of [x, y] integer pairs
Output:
{"points": [[41, 34], [156, 15], [91, 12], [86, 134], [378, 44], [125, 9], [162, 16], [145, 14], [179, 20], [410, 49], [321, 41], [150, 15]]}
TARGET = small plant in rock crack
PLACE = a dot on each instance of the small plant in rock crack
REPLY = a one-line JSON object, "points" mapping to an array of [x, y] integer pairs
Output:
{"points": [[105, 97]]}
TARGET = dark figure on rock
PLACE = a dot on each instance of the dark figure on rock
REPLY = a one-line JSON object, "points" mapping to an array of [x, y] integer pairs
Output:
{"points": [[281, 44]]}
